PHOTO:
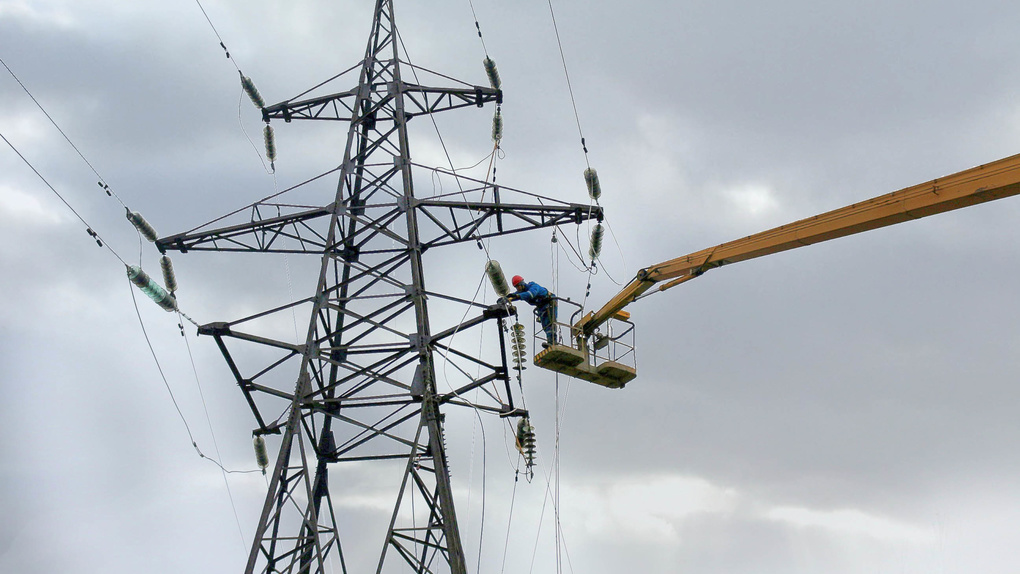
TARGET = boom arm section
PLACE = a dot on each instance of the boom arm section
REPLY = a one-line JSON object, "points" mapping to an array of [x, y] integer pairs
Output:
{"points": [[976, 185]]}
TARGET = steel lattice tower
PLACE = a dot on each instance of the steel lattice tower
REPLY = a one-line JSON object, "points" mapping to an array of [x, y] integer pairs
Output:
{"points": [[362, 386]]}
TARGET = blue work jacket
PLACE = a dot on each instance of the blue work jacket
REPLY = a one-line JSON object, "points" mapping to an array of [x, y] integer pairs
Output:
{"points": [[534, 294]]}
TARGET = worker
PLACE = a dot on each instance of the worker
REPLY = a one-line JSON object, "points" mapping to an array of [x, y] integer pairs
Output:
{"points": [[544, 302]]}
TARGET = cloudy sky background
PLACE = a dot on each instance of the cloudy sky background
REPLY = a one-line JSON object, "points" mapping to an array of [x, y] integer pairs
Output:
{"points": [[850, 407]]}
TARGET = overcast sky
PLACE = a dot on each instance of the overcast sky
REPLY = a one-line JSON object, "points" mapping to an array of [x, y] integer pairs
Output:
{"points": [[845, 408]]}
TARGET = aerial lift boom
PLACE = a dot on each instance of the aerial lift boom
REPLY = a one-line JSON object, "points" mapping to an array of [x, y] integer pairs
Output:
{"points": [[976, 185]]}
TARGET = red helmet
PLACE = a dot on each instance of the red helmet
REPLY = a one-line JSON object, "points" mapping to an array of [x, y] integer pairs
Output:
{"points": [[517, 280]]}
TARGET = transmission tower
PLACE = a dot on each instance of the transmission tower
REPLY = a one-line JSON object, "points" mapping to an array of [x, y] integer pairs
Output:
{"points": [[362, 385]]}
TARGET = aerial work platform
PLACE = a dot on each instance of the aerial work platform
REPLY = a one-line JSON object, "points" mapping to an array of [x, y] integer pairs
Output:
{"points": [[574, 363], [608, 360]]}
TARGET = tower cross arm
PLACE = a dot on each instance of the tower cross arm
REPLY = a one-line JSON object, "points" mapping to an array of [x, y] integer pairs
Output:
{"points": [[319, 108], [509, 218], [419, 100], [429, 100], [257, 235]]}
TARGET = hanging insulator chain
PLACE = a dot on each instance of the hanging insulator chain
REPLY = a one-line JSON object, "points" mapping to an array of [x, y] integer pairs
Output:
{"points": [[497, 126], [152, 289], [596, 242], [491, 71], [519, 349], [591, 179], [497, 278], [261, 453], [526, 443], [267, 133], [252, 91], [169, 278], [141, 225]]}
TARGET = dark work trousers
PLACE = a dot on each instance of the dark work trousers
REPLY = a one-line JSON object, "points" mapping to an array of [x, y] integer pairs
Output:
{"points": [[546, 311]]}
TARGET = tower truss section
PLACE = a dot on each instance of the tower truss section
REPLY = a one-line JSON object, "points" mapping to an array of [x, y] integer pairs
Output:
{"points": [[361, 387]]}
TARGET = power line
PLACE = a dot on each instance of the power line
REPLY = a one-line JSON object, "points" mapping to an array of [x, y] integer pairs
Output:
{"points": [[89, 230], [478, 28], [218, 37], [570, 89], [102, 180]]}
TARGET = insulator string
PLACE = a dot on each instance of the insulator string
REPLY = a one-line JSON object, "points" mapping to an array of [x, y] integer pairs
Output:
{"points": [[141, 225]]}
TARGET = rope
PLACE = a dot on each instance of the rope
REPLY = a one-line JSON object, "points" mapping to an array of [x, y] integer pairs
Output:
{"points": [[478, 415]]}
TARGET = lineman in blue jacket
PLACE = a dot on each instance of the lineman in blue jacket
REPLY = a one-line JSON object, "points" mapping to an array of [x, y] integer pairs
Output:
{"points": [[542, 299]]}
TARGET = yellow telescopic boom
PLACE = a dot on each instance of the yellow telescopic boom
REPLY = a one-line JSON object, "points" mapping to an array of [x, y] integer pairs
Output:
{"points": [[976, 185]]}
